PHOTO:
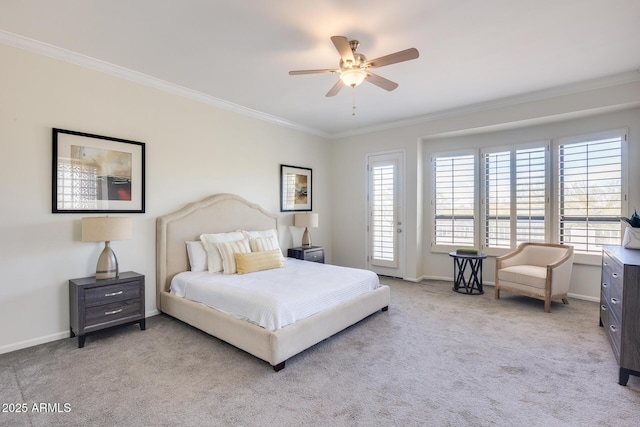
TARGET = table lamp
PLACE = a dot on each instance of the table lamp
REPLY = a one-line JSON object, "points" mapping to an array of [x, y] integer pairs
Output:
{"points": [[306, 220], [106, 229]]}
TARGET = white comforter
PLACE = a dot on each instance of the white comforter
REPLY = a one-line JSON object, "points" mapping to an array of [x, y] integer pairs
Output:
{"points": [[276, 298]]}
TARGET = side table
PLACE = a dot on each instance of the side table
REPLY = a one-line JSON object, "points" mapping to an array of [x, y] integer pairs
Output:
{"points": [[467, 283], [99, 304], [314, 253]]}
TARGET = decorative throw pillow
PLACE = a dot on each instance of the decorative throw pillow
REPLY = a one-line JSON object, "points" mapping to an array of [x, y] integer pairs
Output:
{"points": [[258, 261], [211, 243], [228, 250], [271, 235], [261, 244], [197, 255]]}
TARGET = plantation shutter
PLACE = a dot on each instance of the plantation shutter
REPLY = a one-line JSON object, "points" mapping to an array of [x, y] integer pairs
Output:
{"points": [[590, 192], [453, 204]]}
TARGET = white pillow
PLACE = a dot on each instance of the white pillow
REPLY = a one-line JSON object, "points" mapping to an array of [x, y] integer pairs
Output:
{"points": [[228, 250], [263, 245], [197, 255], [211, 243]]}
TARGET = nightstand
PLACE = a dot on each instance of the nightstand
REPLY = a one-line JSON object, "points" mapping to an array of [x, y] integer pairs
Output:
{"points": [[314, 253], [99, 304]]}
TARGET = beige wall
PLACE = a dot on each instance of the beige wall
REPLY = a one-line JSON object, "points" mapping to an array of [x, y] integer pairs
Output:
{"points": [[564, 115], [192, 150], [195, 149]]}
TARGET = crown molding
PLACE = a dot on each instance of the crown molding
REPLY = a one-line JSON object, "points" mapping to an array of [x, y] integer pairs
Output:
{"points": [[584, 86], [58, 53], [55, 52]]}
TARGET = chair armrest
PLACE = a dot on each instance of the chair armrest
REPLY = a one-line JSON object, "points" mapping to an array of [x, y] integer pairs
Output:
{"points": [[560, 274], [512, 258]]}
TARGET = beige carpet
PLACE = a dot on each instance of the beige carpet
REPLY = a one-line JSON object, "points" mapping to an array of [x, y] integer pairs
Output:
{"points": [[435, 358]]}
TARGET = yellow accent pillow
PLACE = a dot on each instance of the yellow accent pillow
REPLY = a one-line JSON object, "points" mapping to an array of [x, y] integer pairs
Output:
{"points": [[257, 261]]}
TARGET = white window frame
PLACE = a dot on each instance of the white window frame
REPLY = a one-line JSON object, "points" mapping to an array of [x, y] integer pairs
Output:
{"points": [[583, 257], [513, 149], [552, 202], [443, 248]]}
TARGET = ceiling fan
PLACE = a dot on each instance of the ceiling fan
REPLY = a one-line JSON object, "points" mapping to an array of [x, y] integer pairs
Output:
{"points": [[354, 67]]}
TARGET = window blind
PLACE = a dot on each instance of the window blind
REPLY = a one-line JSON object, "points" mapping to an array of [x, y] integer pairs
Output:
{"points": [[590, 192], [453, 204]]}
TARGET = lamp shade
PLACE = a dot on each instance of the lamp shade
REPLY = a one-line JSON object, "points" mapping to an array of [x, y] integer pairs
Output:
{"points": [[305, 220], [105, 229]]}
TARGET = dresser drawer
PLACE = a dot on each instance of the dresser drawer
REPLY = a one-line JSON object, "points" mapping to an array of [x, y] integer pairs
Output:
{"points": [[614, 332], [111, 314], [112, 293]]}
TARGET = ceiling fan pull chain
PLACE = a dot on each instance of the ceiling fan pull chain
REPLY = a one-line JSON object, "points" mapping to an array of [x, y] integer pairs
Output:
{"points": [[353, 109]]}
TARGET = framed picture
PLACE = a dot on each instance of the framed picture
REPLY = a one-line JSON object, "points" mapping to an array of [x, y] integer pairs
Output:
{"points": [[295, 189], [96, 174]]}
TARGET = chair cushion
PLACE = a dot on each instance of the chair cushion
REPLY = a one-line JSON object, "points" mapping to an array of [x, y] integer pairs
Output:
{"points": [[530, 275]]}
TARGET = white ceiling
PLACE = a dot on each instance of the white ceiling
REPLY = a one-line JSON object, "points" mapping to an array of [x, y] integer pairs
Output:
{"points": [[239, 52]]}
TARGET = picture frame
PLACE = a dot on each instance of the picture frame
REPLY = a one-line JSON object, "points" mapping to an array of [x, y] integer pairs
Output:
{"points": [[96, 174], [296, 189]]}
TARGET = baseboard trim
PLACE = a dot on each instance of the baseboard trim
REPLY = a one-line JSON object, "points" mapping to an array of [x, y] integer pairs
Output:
{"points": [[492, 284], [53, 337]]}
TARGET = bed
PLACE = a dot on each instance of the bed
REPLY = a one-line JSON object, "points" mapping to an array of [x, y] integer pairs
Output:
{"points": [[223, 213]]}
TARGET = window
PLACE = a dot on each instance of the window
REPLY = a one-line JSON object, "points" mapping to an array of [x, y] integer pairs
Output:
{"points": [[383, 213], [497, 201], [531, 194], [514, 196], [454, 199], [523, 198], [590, 192]]}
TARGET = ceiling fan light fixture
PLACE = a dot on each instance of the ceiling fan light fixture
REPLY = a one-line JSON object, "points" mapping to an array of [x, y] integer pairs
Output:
{"points": [[353, 77]]}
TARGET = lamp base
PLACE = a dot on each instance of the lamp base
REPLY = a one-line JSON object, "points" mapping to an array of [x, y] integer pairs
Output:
{"points": [[306, 238], [107, 267]]}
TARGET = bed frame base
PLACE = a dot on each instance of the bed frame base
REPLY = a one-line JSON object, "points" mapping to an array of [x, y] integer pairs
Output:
{"points": [[221, 213]]}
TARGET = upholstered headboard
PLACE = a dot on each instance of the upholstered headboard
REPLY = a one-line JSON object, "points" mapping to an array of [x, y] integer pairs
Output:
{"points": [[216, 214]]}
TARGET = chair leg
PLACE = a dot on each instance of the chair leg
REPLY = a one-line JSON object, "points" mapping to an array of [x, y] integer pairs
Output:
{"points": [[496, 292], [565, 301], [547, 306]]}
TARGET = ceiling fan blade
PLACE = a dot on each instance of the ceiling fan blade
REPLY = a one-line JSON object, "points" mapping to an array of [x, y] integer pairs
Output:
{"points": [[335, 89], [297, 72], [381, 81], [403, 55], [342, 45]]}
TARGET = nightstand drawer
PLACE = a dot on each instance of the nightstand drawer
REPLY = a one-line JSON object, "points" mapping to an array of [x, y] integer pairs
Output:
{"points": [[111, 314], [315, 256], [111, 293]]}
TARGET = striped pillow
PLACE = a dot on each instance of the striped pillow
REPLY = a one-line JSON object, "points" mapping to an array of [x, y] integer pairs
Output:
{"points": [[228, 250], [261, 244], [258, 261]]}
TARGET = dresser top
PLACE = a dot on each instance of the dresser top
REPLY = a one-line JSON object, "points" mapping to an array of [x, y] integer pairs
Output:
{"points": [[624, 255]]}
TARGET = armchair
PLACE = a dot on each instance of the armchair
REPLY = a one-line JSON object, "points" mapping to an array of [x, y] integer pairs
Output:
{"points": [[537, 270]]}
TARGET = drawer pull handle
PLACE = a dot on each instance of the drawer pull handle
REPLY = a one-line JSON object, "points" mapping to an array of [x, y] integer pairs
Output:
{"points": [[605, 285], [613, 328], [615, 275], [603, 307], [614, 301], [113, 294], [107, 313]]}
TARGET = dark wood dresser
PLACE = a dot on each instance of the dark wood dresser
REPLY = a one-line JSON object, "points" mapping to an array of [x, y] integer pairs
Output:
{"points": [[314, 253], [620, 307], [99, 304]]}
